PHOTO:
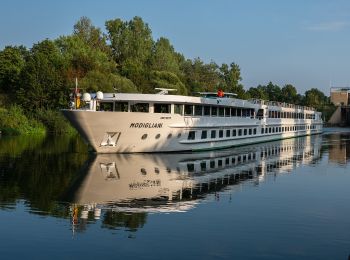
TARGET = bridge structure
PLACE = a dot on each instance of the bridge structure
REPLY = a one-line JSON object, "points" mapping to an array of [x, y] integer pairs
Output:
{"points": [[340, 97]]}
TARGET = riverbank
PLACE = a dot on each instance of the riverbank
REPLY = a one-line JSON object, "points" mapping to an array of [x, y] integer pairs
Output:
{"points": [[14, 121]]}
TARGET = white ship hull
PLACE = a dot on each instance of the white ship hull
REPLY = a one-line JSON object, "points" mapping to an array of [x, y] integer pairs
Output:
{"points": [[202, 124], [95, 125]]}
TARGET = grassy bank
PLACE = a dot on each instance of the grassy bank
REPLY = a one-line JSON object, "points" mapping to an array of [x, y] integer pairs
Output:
{"points": [[14, 121]]}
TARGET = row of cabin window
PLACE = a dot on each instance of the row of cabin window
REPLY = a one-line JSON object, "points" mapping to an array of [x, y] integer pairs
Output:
{"points": [[233, 160], [228, 132], [281, 129], [248, 131], [212, 164], [279, 114], [187, 110]]}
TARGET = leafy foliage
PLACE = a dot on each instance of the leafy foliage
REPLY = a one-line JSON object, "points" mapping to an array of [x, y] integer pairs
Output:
{"points": [[14, 122]]}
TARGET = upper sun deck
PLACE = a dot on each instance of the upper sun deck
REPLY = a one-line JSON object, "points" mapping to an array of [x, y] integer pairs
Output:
{"points": [[157, 98], [281, 104], [207, 98]]}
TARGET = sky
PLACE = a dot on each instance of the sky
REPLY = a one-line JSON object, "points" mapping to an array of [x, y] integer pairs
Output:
{"points": [[305, 43]]}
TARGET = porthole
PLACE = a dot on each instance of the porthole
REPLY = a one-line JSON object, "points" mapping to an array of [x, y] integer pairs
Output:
{"points": [[157, 136], [144, 137], [169, 136], [156, 170], [143, 171], [178, 135]]}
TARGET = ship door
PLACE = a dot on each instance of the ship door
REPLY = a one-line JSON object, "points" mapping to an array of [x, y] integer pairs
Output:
{"points": [[260, 114], [110, 139]]}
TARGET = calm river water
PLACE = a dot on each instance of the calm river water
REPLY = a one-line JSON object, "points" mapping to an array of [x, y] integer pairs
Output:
{"points": [[278, 200]]}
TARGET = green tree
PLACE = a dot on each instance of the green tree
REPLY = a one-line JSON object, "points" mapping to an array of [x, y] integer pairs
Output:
{"points": [[164, 57], [131, 44], [273, 92], [82, 58], [231, 75], [166, 79], [259, 92], [42, 84], [200, 76], [98, 81], [289, 94], [12, 61], [91, 35], [315, 98]]}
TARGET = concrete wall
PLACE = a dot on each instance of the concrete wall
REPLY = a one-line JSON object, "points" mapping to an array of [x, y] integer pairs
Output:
{"points": [[339, 98], [336, 117]]}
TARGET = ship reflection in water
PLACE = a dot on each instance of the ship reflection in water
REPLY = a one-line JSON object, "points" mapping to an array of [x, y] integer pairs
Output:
{"points": [[143, 183]]}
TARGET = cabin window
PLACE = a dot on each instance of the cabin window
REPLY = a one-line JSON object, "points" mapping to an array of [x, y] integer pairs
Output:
{"points": [[221, 111], [157, 136], [198, 110], [227, 161], [204, 134], [203, 166], [239, 112], [239, 132], [228, 133], [140, 107], [106, 106], [219, 163], [188, 110], [227, 111], [221, 133], [191, 135], [213, 134], [234, 132], [245, 131], [233, 111], [250, 131], [178, 108], [212, 164], [233, 160], [121, 106], [254, 131], [207, 110], [190, 167], [262, 130], [214, 111], [143, 137], [161, 108]]}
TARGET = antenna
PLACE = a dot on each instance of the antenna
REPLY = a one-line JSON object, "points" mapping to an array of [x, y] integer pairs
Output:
{"points": [[76, 84]]}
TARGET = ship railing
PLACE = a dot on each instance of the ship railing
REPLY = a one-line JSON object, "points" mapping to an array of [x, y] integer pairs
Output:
{"points": [[280, 104]]}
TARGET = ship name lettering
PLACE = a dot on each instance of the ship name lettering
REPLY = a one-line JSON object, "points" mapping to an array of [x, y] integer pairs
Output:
{"points": [[146, 125]]}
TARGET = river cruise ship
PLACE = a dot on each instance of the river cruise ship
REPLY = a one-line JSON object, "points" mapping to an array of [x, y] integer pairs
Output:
{"points": [[137, 123]]}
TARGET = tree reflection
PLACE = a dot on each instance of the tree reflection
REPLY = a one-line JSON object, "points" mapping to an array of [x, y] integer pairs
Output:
{"points": [[130, 221]]}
